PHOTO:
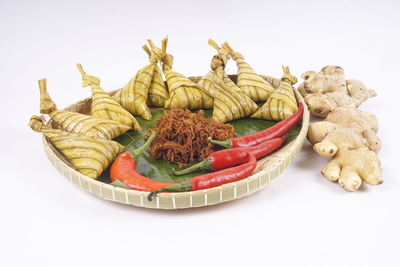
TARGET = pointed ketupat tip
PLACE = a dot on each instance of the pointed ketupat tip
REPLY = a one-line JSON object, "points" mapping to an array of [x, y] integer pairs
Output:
{"points": [[79, 66], [213, 44]]}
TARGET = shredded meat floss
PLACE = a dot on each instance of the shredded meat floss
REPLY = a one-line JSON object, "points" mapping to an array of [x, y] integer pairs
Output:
{"points": [[182, 136]]}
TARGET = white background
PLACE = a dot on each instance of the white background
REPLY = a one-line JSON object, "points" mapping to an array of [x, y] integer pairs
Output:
{"points": [[300, 220]]}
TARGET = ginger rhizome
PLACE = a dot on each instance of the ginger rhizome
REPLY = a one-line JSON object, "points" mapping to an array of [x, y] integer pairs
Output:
{"points": [[325, 90], [349, 137]]}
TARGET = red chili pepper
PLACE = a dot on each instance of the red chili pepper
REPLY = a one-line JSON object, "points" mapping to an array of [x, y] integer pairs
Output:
{"points": [[124, 170], [212, 179], [277, 130], [232, 157]]}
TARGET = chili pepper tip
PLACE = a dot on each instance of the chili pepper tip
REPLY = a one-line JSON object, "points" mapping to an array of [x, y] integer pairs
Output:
{"points": [[179, 187], [153, 193]]}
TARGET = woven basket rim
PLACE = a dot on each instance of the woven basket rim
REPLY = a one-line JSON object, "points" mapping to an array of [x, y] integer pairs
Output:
{"points": [[268, 168]]}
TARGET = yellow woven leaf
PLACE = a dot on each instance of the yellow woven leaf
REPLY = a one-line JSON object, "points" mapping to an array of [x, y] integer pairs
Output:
{"points": [[91, 156], [249, 81], [103, 105], [158, 92], [282, 103], [183, 93], [230, 103], [78, 123], [133, 97]]}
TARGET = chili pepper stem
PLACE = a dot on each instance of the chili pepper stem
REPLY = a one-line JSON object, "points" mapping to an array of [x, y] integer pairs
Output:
{"points": [[202, 165], [185, 186], [226, 144], [137, 152]]}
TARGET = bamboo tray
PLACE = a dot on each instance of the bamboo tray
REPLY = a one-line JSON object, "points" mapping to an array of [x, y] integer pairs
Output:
{"points": [[268, 169]]}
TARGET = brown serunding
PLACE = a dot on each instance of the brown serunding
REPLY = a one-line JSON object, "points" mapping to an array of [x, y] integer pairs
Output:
{"points": [[182, 136]]}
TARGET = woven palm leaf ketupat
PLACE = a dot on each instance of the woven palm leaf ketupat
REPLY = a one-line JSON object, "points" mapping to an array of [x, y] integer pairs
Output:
{"points": [[228, 106], [229, 103], [275, 82], [207, 84], [103, 105], [220, 78], [183, 93], [218, 62], [78, 123], [282, 103], [90, 156], [37, 123], [158, 93], [249, 81], [133, 97], [218, 65]]}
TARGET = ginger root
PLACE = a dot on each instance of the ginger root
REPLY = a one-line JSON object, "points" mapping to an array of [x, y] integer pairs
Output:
{"points": [[349, 136], [328, 89]]}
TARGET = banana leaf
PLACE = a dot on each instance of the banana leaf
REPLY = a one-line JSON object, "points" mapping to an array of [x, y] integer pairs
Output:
{"points": [[160, 170]]}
